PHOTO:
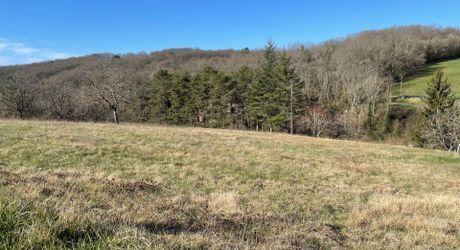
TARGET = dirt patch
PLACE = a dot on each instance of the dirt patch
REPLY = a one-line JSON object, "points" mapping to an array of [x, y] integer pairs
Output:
{"points": [[335, 232], [53, 183], [120, 186], [7, 177], [4, 173], [13, 178], [47, 191], [170, 227]]}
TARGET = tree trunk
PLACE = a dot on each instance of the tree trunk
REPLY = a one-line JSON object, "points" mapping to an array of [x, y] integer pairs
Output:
{"points": [[115, 116], [247, 122], [359, 122], [257, 126], [401, 87], [291, 111], [372, 114], [20, 108]]}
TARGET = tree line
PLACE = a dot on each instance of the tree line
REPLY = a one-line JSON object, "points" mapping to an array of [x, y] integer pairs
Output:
{"points": [[339, 88], [268, 97]]}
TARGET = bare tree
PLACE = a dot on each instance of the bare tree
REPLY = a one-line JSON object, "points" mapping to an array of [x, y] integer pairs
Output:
{"points": [[109, 84], [316, 120], [442, 131], [18, 93], [58, 99]]}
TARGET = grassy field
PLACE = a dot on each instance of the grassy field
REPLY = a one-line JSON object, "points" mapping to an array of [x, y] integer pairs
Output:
{"points": [[417, 84], [83, 185]]}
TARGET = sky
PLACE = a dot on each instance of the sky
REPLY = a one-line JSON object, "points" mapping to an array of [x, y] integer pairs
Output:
{"points": [[38, 30]]}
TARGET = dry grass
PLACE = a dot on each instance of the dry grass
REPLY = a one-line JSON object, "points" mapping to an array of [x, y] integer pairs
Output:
{"points": [[82, 185]]}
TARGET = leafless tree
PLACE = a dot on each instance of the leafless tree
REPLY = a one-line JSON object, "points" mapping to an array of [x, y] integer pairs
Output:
{"points": [[316, 120], [59, 99], [109, 84], [18, 94], [443, 130]]}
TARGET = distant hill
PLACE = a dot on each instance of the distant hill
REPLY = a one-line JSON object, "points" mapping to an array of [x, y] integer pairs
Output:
{"points": [[344, 75], [406, 46], [188, 59]]}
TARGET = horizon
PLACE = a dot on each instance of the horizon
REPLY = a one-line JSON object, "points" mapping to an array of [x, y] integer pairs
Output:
{"points": [[46, 31]]}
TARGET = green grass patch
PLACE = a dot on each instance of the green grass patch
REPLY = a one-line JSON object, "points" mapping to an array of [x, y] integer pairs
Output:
{"points": [[416, 84]]}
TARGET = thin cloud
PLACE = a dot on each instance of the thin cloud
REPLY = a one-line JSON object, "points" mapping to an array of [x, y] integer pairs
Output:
{"points": [[21, 49], [12, 53]]}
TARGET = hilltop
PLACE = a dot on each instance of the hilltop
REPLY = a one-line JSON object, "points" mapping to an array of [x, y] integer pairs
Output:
{"points": [[100, 185]]}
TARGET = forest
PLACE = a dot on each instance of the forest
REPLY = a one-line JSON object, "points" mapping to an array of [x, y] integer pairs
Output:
{"points": [[340, 88]]}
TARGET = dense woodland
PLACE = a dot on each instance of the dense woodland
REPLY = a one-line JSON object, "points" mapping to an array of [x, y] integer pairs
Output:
{"points": [[339, 88]]}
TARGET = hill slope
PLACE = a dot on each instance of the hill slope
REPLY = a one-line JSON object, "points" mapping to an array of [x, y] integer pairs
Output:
{"points": [[82, 184], [417, 84]]}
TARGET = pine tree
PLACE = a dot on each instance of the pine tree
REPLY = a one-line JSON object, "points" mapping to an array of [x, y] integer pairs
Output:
{"points": [[438, 100], [290, 98], [239, 96], [202, 84], [219, 99], [181, 98], [142, 102], [439, 95], [161, 97], [264, 90]]}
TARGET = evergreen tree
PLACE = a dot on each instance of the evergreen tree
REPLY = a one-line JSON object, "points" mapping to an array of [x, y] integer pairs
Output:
{"points": [[438, 100], [180, 112], [439, 95], [219, 100], [142, 102], [201, 94], [291, 99], [170, 96], [263, 106], [161, 97], [239, 87]]}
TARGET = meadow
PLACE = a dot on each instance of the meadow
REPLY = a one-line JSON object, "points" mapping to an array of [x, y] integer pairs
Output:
{"points": [[417, 83], [96, 185]]}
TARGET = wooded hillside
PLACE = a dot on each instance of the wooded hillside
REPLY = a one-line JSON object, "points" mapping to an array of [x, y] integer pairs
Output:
{"points": [[338, 88]]}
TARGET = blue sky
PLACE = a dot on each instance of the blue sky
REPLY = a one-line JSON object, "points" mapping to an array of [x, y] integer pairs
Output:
{"points": [[37, 30]]}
